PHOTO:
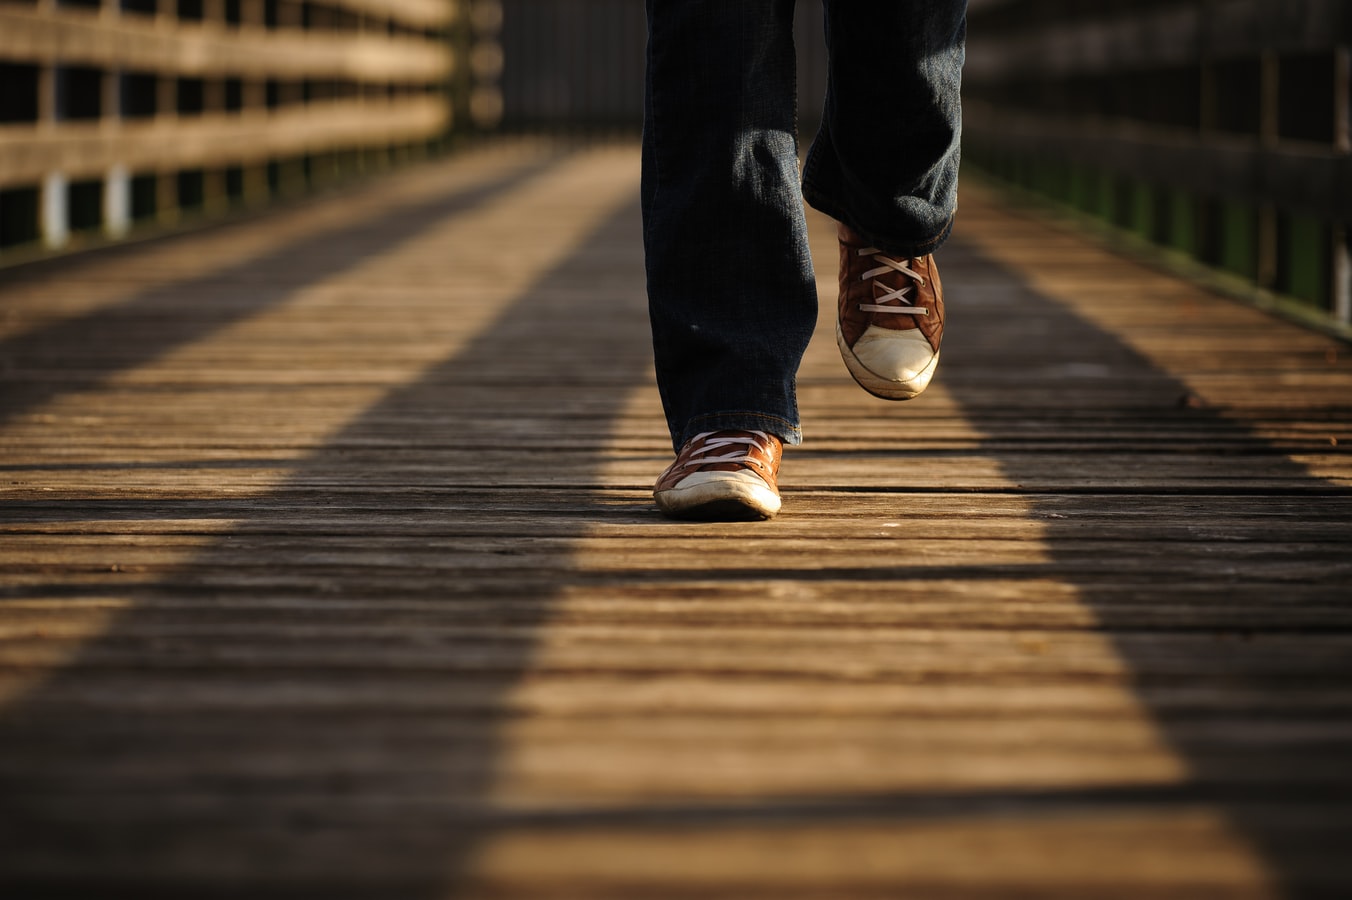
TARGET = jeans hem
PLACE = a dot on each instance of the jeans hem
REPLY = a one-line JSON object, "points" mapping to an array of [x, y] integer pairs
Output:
{"points": [[785, 430], [905, 249]]}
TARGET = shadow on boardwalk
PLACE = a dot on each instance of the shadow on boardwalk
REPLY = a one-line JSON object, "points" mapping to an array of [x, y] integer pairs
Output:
{"points": [[323, 719], [1215, 564], [86, 349], [324, 716]]}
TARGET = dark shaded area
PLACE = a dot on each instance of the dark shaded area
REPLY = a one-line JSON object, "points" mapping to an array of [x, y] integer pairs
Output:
{"points": [[85, 202], [79, 93], [190, 94], [138, 95], [19, 99], [22, 226], [574, 66]]}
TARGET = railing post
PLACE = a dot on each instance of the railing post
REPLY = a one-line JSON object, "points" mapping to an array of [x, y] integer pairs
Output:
{"points": [[1342, 136], [215, 196], [54, 202], [117, 201], [1269, 134], [54, 214], [116, 180], [486, 63]]}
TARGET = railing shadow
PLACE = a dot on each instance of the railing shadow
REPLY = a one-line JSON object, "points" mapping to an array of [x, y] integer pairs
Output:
{"points": [[83, 350], [1233, 622]]}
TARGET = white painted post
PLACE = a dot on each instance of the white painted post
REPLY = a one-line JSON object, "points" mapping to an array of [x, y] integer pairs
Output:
{"points": [[55, 216], [117, 180], [117, 201]]}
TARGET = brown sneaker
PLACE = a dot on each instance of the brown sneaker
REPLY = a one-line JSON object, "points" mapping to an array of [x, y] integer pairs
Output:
{"points": [[728, 476], [890, 320]]}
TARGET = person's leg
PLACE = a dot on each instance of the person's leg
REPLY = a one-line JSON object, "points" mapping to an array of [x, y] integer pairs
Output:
{"points": [[885, 166], [885, 162], [732, 296]]}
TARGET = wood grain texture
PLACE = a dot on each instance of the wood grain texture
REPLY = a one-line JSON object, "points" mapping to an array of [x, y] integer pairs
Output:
{"points": [[328, 568]]}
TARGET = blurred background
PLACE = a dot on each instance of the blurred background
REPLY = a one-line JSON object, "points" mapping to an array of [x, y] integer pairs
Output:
{"points": [[1215, 130]]}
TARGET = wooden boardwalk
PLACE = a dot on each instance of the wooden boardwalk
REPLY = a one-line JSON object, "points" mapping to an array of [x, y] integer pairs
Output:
{"points": [[328, 568]]}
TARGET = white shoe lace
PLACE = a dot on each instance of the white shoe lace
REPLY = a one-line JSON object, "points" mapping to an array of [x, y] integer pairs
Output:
{"points": [[729, 447], [904, 306]]}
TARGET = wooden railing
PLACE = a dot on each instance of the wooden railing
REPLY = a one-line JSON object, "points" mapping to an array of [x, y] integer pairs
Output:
{"points": [[1219, 128], [118, 112]]}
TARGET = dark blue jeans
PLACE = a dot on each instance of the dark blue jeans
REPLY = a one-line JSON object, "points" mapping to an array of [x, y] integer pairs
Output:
{"points": [[731, 289]]}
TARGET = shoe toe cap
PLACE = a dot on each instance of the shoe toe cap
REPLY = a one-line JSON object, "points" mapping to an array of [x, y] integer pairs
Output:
{"points": [[901, 356], [719, 491]]}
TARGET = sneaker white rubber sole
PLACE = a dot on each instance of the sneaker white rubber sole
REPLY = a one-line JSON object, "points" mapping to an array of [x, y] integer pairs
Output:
{"points": [[719, 497], [907, 387]]}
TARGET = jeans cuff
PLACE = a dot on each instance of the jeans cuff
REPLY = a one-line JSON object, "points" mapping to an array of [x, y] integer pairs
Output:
{"points": [[906, 249], [786, 431]]}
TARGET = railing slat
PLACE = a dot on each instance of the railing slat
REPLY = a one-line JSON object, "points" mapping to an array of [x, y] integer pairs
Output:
{"points": [[82, 37], [1167, 37], [87, 149]]}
